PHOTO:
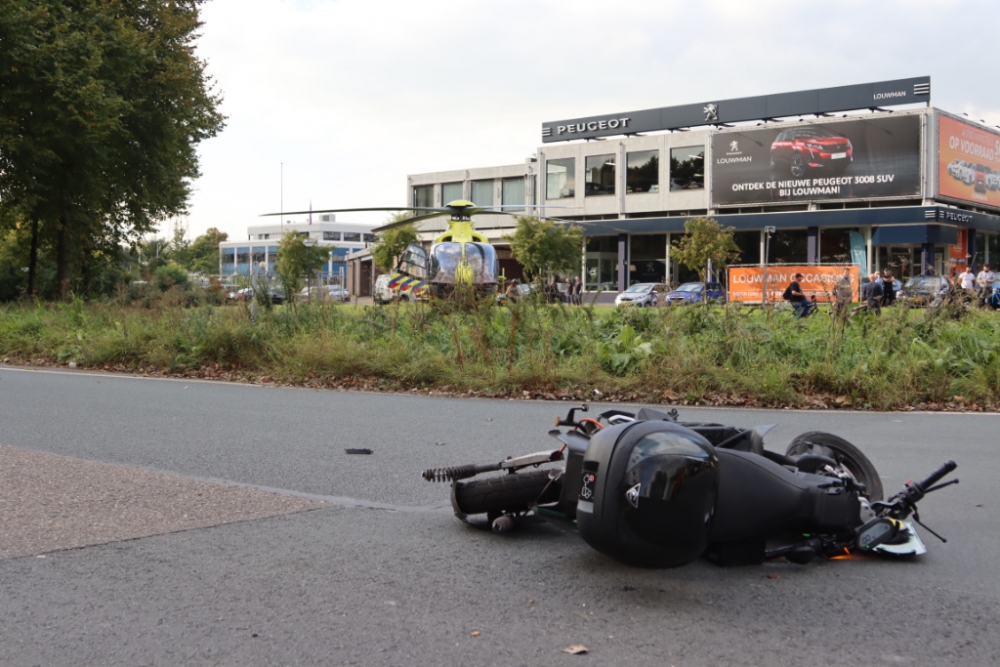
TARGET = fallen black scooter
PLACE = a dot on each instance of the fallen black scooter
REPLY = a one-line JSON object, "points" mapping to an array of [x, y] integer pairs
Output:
{"points": [[650, 490]]}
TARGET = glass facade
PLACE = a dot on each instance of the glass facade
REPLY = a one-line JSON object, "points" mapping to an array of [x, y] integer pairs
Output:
{"points": [[789, 246], [482, 193], [560, 178], [643, 172], [512, 192], [647, 259], [228, 261], [993, 246], [601, 260], [687, 168], [749, 244], [450, 192], [423, 196], [835, 246], [600, 175]]}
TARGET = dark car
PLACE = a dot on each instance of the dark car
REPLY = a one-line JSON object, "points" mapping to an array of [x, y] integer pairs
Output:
{"points": [[925, 291], [696, 292], [813, 147]]}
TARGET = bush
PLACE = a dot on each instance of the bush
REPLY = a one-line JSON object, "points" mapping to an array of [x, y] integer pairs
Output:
{"points": [[169, 276]]}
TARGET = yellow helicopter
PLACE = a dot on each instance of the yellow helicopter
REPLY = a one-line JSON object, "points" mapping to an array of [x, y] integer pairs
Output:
{"points": [[459, 256]]}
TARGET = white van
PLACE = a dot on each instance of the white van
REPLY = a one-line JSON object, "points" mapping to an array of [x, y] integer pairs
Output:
{"points": [[383, 293]]}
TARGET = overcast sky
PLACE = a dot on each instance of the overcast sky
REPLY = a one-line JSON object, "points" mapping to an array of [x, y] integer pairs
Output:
{"points": [[353, 95]]}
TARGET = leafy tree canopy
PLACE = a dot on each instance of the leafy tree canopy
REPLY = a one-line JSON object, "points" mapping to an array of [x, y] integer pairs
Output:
{"points": [[705, 239], [392, 242], [543, 247], [102, 106], [298, 257]]}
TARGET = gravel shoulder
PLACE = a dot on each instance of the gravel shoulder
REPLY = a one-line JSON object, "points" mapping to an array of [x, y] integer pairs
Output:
{"points": [[50, 502]]}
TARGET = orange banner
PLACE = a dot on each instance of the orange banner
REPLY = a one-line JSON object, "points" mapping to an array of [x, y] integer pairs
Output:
{"points": [[968, 162], [746, 282]]}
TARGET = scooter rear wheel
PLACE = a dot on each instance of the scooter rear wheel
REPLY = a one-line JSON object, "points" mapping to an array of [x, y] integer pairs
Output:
{"points": [[505, 494], [844, 453]]}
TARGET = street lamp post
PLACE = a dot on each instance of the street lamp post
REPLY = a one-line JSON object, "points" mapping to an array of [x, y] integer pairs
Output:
{"points": [[767, 255]]}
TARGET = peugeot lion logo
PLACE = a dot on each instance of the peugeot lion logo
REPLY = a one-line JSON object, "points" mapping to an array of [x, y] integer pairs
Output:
{"points": [[632, 495], [734, 147], [711, 111]]}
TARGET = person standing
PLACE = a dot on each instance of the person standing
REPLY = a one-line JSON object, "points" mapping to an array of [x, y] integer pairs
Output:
{"points": [[967, 280], [872, 294], [843, 293], [888, 290], [578, 291]]}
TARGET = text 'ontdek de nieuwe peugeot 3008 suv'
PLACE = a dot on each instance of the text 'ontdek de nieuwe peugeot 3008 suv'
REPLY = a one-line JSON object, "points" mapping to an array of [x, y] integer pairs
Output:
{"points": [[805, 148]]}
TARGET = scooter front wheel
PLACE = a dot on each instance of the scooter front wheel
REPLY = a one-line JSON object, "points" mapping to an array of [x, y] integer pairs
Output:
{"points": [[505, 494], [844, 453]]}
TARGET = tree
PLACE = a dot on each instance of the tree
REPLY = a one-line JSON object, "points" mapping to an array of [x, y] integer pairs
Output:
{"points": [[705, 240], [542, 247], [203, 253], [392, 242], [297, 258], [102, 106]]}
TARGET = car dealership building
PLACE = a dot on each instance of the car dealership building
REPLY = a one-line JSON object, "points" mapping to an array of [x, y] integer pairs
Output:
{"points": [[867, 174]]}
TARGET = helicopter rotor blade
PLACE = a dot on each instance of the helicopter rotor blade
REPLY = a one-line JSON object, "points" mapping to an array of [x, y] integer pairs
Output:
{"points": [[353, 210], [582, 223]]}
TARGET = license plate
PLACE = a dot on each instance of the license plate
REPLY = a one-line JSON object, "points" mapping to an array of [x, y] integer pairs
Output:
{"points": [[838, 156]]}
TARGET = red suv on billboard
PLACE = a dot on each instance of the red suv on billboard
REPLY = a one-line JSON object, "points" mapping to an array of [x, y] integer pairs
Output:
{"points": [[812, 147], [980, 185]]}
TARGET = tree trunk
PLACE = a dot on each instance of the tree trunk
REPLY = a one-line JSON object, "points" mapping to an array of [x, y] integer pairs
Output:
{"points": [[62, 257], [33, 258]]}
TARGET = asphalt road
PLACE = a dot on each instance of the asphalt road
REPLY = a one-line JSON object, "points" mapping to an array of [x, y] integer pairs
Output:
{"points": [[384, 575]]}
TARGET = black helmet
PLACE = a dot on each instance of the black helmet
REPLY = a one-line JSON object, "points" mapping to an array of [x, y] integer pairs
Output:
{"points": [[648, 494]]}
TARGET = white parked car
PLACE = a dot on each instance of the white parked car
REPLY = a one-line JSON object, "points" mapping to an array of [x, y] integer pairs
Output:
{"points": [[641, 294]]}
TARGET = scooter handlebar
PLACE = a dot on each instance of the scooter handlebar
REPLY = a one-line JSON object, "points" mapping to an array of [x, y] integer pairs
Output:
{"points": [[936, 476]]}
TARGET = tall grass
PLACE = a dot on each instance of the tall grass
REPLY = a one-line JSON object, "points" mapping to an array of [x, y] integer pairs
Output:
{"points": [[725, 355]]}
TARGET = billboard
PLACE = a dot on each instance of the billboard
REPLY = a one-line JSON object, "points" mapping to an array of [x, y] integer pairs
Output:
{"points": [[851, 159], [746, 282], [968, 162]]}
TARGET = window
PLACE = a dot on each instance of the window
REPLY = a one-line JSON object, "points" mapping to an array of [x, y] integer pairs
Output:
{"points": [[512, 192], [370, 238], [687, 168], [243, 255], [258, 255], [352, 237], [643, 171], [423, 196], [333, 218], [560, 178], [482, 193], [600, 175], [331, 236], [450, 192]]}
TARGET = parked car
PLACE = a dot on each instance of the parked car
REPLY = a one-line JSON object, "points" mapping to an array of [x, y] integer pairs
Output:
{"points": [[641, 294], [697, 292], [246, 294], [331, 292], [925, 291], [813, 147]]}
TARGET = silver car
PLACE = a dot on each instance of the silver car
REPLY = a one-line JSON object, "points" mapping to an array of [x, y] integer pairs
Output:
{"points": [[641, 294]]}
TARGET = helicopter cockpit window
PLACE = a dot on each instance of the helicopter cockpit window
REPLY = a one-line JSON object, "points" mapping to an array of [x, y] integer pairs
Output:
{"points": [[414, 261], [447, 257]]}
